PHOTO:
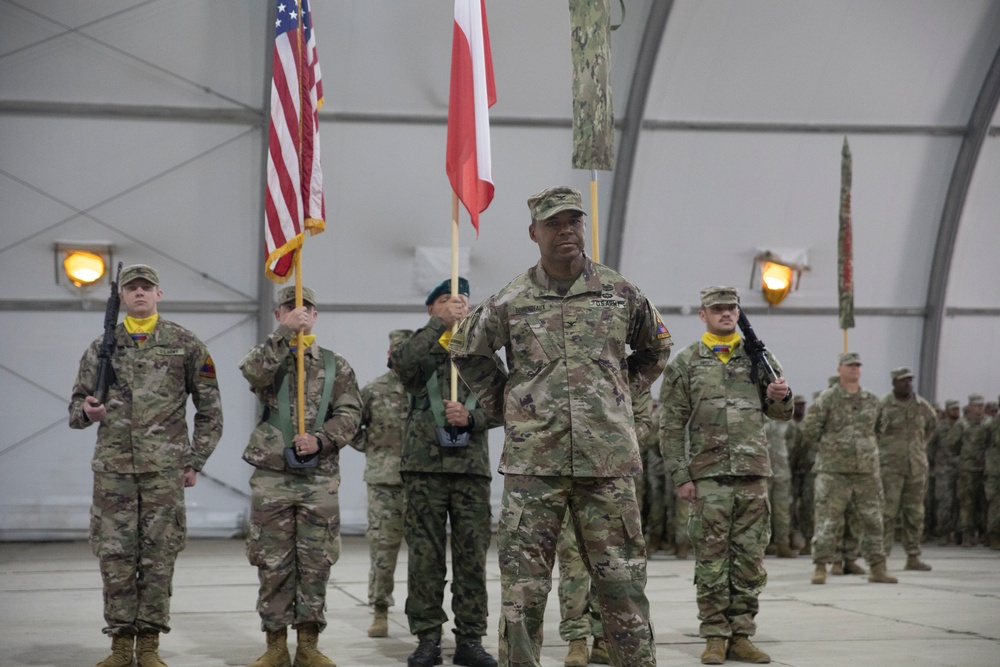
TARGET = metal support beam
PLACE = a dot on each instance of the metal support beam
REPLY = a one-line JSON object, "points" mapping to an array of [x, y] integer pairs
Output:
{"points": [[37, 108], [951, 214]]}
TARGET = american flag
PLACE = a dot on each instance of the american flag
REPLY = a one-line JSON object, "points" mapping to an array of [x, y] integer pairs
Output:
{"points": [[294, 200]]}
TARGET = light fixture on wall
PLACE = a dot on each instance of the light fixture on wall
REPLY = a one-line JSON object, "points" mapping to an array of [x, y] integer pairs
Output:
{"points": [[80, 265], [779, 272]]}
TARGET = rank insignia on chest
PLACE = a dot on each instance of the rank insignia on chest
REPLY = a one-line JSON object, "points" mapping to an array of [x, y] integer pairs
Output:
{"points": [[207, 368]]}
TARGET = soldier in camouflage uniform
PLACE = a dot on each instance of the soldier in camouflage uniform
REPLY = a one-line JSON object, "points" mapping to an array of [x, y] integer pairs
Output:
{"points": [[992, 486], [843, 421], [906, 422], [779, 489], [143, 461], [444, 484], [945, 474], [801, 457], [570, 443], [295, 511], [714, 398], [579, 615], [967, 441], [655, 506], [385, 406]]}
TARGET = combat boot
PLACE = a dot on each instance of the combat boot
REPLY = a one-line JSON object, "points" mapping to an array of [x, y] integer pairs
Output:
{"points": [[653, 544], [913, 562], [852, 567], [577, 656], [472, 654], [837, 568], [771, 549], [599, 652], [819, 576], [968, 540], [428, 653], [742, 649], [995, 542], [380, 623], [307, 653], [121, 652], [880, 576], [276, 654], [785, 551], [682, 551], [147, 646], [715, 651], [806, 549]]}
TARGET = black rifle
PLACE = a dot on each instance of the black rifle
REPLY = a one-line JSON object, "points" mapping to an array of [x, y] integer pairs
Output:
{"points": [[105, 371], [756, 351]]}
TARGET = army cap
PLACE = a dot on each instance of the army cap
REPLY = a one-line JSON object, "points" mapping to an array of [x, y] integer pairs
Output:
{"points": [[551, 201], [951, 403], [718, 296], [799, 398], [900, 373], [287, 294], [976, 399], [398, 337], [850, 359], [137, 271], [445, 288]]}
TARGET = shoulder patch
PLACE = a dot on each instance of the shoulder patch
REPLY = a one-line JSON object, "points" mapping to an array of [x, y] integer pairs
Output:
{"points": [[207, 368], [661, 329]]}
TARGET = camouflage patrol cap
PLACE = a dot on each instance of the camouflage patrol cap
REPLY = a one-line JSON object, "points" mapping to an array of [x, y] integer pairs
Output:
{"points": [[398, 337], [445, 288], [849, 359], [287, 294], [900, 373], [551, 201], [799, 398], [952, 403], [719, 296], [976, 399], [137, 271]]}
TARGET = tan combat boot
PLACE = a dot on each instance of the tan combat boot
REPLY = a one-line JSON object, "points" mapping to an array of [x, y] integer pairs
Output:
{"points": [[599, 652], [819, 576], [852, 567], [577, 656], [307, 652], [806, 549], [276, 654], [380, 623], [121, 652], [785, 551], [147, 646], [682, 551], [913, 562], [715, 651], [743, 650], [837, 568], [880, 576]]}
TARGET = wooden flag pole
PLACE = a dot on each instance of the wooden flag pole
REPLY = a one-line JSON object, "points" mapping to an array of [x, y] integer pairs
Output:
{"points": [[845, 340], [300, 359], [595, 236], [454, 281]]}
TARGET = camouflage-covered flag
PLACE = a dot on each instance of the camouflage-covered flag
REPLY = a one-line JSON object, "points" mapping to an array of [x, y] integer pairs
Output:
{"points": [[593, 115], [845, 265]]}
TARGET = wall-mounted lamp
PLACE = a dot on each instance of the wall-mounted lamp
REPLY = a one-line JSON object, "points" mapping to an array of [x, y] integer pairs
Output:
{"points": [[779, 271], [81, 265]]}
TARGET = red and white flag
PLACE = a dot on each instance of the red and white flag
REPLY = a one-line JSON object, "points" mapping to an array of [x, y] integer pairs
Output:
{"points": [[472, 94], [294, 199]]}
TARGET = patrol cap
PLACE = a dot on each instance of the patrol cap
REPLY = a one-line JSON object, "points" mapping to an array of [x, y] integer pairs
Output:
{"points": [[900, 373], [976, 399], [951, 403], [717, 296], [850, 359], [399, 336], [551, 201], [136, 271], [445, 288], [799, 398], [287, 294]]}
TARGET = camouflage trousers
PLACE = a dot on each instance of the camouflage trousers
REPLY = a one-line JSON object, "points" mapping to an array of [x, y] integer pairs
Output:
{"points": [[904, 492], [779, 493], [655, 505], [946, 494], [433, 501], [294, 540], [835, 495], [609, 535], [579, 615], [138, 526], [803, 492], [385, 536], [971, 501], [930, 506], [730, 526], [992, 487], [682, 514]]}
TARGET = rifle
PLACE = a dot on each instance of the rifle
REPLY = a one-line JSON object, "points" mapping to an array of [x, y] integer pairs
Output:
{"points": [[755, 350], [105, 371]]}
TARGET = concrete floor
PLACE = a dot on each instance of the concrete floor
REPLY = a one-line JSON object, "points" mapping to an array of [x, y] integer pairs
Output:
{"points": [[50, 611]]}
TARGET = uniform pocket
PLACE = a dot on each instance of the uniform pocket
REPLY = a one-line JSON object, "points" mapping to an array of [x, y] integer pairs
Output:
{"points": [[176, 531]]}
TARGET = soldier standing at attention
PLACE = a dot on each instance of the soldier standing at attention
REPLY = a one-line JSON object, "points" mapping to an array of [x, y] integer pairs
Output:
{"points": [[708, 395], [801, 457], [565, 398], [446, 477], [945, 473], [143, 461], [385, 406], [779, 489], [295, 511], [842, 421], [967, 442], [905, 425], [991, 468]]}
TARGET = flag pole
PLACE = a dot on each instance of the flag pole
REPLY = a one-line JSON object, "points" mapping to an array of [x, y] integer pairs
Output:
{"points": [[300, 358], [454, 281], [595, 236]]}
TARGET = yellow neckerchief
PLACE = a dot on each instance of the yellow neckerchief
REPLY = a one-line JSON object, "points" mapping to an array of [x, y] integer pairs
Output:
{"points": [[307, 340], [140, 328], [445, 339], [723, 346]]}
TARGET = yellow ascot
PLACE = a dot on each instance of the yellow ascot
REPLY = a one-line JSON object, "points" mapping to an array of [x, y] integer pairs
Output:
{"points": [[722, 346], [140, 328]]}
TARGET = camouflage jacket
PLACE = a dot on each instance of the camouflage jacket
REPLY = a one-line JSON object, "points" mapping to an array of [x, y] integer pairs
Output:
{"points": [[777, 448], [146, 429], [720, 411], [991, 460], [967, 441], [642, 412], [843, 426], [261, 368], [414, 361], [384, 408], [938, 455], [565, 393], [801, 453], [904, 427]]}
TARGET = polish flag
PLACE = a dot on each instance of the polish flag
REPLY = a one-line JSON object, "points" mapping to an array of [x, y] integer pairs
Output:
{"points": [[472, 94]]}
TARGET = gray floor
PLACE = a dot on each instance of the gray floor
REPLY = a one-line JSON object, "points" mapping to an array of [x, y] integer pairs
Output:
{"points": [[50, 611]]}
